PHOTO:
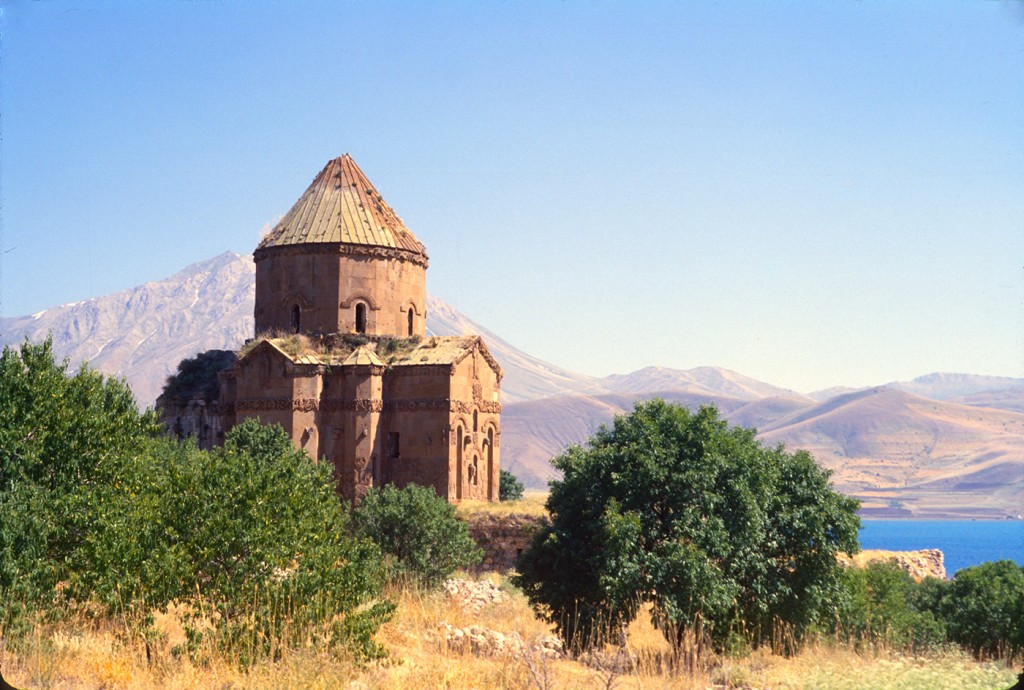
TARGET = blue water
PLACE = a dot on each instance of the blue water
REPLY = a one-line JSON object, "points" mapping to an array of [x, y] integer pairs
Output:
{"points": [[963, 542]]}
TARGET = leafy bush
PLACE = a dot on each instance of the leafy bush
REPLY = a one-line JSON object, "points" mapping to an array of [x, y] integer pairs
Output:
{"points": [[509, 488], [196, 377], [252, 534], [419, 530], [884, 604], [61, 435], [984, 608], [716, 532]]}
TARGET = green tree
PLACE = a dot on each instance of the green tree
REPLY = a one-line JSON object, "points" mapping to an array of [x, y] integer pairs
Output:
{"points": [[196, 377], [885, 604], [418, 530], [984, 609], [61, 436], [93, 498], [509, 488], [716, 532], [253, 532]]}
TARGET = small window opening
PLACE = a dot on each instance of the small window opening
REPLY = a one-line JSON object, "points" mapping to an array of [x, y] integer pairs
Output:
{"points": [[360, 318], [475, 425], [393, 442], [410, 322], [296, 322]]}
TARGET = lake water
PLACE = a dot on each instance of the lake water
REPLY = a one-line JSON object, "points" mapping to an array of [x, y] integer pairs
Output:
{"points": [[963, 542]]}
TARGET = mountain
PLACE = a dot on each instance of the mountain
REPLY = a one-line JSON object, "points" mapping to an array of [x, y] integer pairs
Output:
{"points": [[707, 380], [942, 444], [970, 389], [931, 457], [143, 333], [534, 431], [525, 377], [958, 386]]}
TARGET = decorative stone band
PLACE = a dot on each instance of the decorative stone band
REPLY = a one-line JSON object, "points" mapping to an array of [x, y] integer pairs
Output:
{"points": [[277, 404], [360, 405], [342, 248], [366, 405], [414, 369], [442, 405]]}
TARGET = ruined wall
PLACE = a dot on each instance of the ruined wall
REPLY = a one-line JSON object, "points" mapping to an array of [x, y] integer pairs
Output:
{"points": [[199, 419], [502, 538], [920, 564]]}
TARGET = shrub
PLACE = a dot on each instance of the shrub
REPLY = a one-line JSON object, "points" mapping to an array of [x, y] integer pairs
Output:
{"points": [[695, 517], [418, 530], [509, 488], [984, 607], [196, 377], [884, 604], [253, 534]]}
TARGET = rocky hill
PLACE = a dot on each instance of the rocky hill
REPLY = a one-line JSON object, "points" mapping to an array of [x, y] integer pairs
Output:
{"points": [[940, 445]]}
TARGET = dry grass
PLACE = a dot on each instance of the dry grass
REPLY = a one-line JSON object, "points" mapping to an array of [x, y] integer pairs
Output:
{"points": [[84, 654], [532, 503]]}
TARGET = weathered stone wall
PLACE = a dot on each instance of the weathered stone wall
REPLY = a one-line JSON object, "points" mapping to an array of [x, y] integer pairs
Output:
{"points": [[502, 538], [920, 564], [199, 419]]}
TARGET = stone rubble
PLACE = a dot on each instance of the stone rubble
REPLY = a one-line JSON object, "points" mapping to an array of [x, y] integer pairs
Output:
{"points": [[483, 641], [473, 596]]}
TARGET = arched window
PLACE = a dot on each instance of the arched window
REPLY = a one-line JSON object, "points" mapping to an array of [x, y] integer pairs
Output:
{"points": [[489, 454], [410, 322], [458, 463], [296, 323], [360, 317]]}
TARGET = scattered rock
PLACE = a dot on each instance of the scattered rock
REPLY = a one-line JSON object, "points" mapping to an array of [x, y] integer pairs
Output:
{"points": [[483, 641], [473, 596]]}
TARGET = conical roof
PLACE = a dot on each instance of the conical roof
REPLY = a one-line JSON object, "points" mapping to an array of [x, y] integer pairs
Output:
{"points": [[341, 206]]}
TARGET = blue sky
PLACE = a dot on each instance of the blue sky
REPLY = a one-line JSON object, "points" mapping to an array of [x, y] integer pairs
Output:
{"points": [[810, 193]]}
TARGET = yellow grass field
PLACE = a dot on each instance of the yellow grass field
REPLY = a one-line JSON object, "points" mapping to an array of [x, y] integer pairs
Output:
{"points": [[94, 654]]}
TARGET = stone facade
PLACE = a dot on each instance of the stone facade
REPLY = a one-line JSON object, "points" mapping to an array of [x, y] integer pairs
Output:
{"points": [[330, 289], [341, 360]]}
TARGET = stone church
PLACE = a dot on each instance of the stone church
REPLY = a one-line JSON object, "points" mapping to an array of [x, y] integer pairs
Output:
{"points": [[341, 358]]}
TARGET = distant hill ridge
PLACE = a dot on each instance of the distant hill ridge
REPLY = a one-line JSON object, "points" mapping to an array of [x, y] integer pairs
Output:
{"points": [[941, 444]]}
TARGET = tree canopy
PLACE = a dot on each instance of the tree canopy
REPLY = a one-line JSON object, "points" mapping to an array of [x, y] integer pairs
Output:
{"points": [[509, 487], [97, 507], [60, 435], [718, 533]]}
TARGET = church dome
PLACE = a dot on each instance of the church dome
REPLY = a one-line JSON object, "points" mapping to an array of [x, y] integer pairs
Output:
{"points": [[342, 207]]}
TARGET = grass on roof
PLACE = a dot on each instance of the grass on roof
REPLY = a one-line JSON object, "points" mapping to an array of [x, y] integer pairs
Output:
{"points": [[335, 348]]}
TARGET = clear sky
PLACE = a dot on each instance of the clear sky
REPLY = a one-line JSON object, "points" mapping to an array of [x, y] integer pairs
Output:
{"points": [[810, 193]]}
